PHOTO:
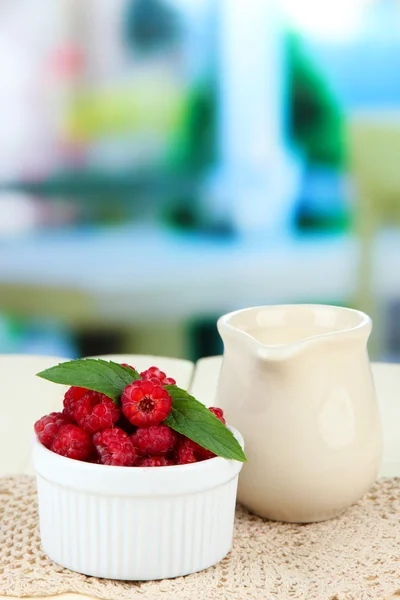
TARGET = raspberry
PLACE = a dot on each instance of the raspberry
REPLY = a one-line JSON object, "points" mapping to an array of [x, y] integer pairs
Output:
{"points": [[94, 412], [219, 413], [48, 427], [185, 452], [155, 461], [145, 403], [72, 442], [189, 451], [155, 441], [156, 376], [203, 453], [71, 397], [114, 447]]}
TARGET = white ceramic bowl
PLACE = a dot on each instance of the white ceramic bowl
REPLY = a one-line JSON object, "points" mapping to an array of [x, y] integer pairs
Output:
{"points": [[135, 523]]}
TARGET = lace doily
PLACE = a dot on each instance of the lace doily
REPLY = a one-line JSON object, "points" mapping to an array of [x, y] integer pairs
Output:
{"points": [[353, 557]]}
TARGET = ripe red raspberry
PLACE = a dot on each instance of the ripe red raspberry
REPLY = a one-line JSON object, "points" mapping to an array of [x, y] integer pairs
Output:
{"points": [[71, 397], [73, 442], [48, 427], [155, 461], [114, 447], [94, 412], [156, 376], [155, 441], [185, 452], [189, 451], [145, 403], [219, 413], [203, 453]]}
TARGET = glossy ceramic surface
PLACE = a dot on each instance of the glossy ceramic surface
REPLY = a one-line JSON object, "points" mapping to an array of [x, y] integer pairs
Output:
{"points": [[297, 381]]}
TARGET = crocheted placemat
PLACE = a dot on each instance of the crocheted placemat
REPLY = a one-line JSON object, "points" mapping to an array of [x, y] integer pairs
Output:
{"points": [[353, 557]]}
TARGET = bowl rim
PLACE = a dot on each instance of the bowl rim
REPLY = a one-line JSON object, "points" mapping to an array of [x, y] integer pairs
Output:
{"points": [[137, 481]]}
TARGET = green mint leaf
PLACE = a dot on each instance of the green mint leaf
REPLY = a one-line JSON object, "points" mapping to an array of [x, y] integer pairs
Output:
{"points": [[191, 418], [103, 376]]}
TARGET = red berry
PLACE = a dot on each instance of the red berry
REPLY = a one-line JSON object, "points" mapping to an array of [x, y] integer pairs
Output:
{"points": [[155, 461], [154, 374], [155, 441], [203, 453], [145, 403], [94, 412], [219, 413], [185, 452], [189, 451], [72, 442], [48, 427], [114, 447], [71, 397]]}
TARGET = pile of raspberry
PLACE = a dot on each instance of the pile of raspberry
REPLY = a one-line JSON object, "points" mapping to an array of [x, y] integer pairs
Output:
{"points": [[92, 428]]}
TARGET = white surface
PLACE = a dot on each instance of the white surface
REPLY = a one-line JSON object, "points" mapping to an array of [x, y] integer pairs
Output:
{"points": [[25, 398], [387, 384], [155, 523]]}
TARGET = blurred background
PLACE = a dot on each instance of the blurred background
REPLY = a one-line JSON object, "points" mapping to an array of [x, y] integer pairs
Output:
{"points": [[163, 162]]}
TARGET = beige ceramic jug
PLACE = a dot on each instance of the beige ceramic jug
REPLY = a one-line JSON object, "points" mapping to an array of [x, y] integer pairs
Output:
{"points": [[296, 381]]}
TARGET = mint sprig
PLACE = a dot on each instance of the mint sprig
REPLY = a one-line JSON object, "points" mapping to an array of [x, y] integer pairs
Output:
{"points": [[191, 418], [188, 416], [103, 376]]}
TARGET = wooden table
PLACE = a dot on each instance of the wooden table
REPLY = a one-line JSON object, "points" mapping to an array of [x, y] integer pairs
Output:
{"points": [[24, 398]]}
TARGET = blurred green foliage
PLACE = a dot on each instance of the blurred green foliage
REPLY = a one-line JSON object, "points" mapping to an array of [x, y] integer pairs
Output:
{"points": [[316, 120]]}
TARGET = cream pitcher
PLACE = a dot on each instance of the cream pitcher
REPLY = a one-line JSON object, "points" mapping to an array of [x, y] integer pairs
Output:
{"points": [[296, 381]]}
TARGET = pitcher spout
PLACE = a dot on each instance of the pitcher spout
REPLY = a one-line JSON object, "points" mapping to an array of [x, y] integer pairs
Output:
{"points": [[274, 333]]}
